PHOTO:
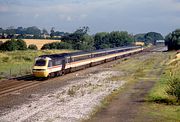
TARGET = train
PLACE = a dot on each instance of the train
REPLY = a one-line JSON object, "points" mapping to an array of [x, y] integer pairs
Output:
{"points": [[46, 66]]}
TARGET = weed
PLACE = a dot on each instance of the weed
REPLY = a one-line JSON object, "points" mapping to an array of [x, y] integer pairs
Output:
{"points": [[71, 91], [174, 87]]}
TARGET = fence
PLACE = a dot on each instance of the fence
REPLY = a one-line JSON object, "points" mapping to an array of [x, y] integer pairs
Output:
{"points": [[16, 72]]}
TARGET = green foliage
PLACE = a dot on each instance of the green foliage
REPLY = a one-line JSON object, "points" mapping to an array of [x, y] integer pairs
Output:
{"points": [[33, 30], [172, 40], [21, 44], [113, 39], [57, 45], [167, 89], [13, 44], [86, 43], [149, 37], [101, 40], [32, 47], [140, 37], [174, 87], [9, 45]]}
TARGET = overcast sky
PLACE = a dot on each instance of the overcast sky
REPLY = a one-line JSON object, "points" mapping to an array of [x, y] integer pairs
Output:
{"points": [[134, 16]]}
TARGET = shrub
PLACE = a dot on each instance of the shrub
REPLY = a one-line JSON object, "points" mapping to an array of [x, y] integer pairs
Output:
{"points": [[9, 45], [57, 45], [45, 46], [13, 44], [32, 47], [21, 45], [174, 87]]}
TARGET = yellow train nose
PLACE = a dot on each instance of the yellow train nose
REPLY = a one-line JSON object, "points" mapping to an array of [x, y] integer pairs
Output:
{"points": [[40, 73]]}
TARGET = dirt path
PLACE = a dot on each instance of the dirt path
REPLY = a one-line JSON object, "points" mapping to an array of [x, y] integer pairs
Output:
{"points": [[127, 105]]}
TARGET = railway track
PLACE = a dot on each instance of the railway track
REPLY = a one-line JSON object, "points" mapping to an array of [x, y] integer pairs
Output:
{"points": [[15, 85]]}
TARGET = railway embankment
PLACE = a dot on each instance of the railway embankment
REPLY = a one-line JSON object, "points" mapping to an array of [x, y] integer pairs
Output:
{"points": [[144, 97], [115, 91]]}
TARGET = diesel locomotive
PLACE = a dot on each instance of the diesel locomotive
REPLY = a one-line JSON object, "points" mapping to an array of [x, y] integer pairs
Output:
{"points": [[59, 64]]}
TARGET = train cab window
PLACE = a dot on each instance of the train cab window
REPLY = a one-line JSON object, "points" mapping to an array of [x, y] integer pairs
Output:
{"points": [[40, 62], [50, 64]]}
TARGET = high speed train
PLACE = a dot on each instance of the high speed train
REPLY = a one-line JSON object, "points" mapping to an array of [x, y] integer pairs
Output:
{"points": [[58, 64]]}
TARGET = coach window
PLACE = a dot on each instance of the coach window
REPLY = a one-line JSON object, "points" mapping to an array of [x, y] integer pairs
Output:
{"points": [[58, 62]]}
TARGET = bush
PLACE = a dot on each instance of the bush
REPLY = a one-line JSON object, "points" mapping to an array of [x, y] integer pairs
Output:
{"points": [[57, 45], [174, 87], [32, 47], [9, 45], [21, 45], [13, 44]]}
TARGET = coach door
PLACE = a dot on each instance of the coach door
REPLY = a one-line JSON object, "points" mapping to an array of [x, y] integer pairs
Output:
{"points": [[63, 64]]}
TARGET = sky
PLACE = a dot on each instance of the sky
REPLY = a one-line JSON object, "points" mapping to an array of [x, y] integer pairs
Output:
{"points": [[134, 16]]}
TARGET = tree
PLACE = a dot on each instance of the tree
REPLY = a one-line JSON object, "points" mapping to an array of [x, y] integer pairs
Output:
{"points": [[152, 37], [172, 40], [1, 31], [57, 45], [44, 31], [45, 46], [32, 47], [9, 45], [21, 45], [113, 39], [20, 30], [10, 30], [101, 40], [86, 43], [33, 30], [13, 44], [52, 32]]}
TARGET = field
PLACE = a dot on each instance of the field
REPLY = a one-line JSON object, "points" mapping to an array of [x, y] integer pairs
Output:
{"points": [[21, 62], [38, 42]]}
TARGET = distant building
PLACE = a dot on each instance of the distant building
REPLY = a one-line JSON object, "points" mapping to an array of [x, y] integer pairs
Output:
{"points": [[160, 42], [139, 43], [45, 36]]}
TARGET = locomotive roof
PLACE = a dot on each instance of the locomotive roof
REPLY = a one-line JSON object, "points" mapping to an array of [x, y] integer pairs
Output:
{"points": [[62, 55]]}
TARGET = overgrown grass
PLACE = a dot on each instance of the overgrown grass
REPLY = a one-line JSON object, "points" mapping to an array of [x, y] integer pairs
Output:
{"points": [[159, 113], [163, 106], [162, 89], [131, 70], [20, 62]]}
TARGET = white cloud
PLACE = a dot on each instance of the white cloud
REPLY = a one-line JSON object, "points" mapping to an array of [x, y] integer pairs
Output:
{"points": [[100, 14], [69, 18]]}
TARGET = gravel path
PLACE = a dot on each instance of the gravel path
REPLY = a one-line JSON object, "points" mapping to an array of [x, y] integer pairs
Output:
{"points": [[71, 103]]}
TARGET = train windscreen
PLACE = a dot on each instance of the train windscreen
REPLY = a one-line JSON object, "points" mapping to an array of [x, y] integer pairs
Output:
{"points": [[40, 62]]}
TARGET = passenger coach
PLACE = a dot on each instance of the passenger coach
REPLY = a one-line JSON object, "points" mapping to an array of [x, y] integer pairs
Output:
{"points": [[58, 64]]}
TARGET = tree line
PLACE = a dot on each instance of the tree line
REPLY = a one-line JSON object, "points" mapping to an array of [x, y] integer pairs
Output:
{"points": [[30, 33], [81, 40]]}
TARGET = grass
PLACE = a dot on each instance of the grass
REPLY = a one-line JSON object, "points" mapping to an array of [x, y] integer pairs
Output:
{"points": [[160, 112], [21, 62], [162, 106], [159, 93], [132, 70]]}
